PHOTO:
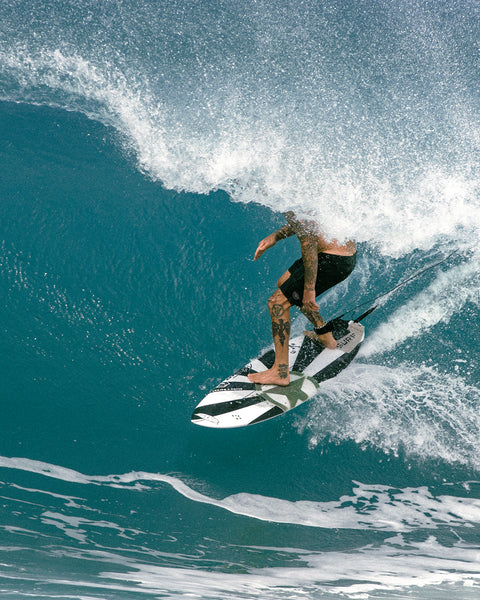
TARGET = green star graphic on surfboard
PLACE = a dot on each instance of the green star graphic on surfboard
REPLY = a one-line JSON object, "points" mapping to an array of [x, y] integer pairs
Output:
{"points": [[288, 396]]}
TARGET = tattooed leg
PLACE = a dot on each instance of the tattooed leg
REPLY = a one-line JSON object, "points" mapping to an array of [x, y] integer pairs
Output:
{"points": [[326, 339], [280, 315]]}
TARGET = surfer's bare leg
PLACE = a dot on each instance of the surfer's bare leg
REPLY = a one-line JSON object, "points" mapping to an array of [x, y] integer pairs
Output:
{"points": [[314, 317], [278, 374]]}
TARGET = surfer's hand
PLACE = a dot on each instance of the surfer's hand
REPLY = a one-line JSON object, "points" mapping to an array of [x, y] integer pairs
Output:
{"points": [[265, 244], [308, 301]]}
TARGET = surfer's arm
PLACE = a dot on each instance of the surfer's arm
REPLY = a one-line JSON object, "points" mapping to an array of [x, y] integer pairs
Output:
{"points": [[272, 239], [284, 232]]}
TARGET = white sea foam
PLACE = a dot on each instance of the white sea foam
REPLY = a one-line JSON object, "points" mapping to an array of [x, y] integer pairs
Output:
{"points": [[375, 507], [397, 566], [359, 574], [282, 118], [437, 303], [394, 565], [416, 409], [362, 180]]}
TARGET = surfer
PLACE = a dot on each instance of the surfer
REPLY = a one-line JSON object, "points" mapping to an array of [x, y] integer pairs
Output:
{"points": [[323, 264]]}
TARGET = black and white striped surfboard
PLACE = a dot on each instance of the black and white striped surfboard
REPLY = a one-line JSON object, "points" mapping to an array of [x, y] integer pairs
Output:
{"points": [[237, 402]]}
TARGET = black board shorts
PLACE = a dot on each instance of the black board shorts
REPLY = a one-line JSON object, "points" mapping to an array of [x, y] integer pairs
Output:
{"points": [[332, 269]]}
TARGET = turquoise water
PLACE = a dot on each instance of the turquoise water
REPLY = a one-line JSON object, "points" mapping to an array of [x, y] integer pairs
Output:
{"points": [[146, 148]]}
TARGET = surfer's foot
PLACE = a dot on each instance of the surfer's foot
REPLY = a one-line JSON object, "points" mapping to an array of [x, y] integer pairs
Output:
{"points": [[272, 376], [326, 339]]}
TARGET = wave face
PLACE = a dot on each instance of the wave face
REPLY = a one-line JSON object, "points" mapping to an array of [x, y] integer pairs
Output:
{"points": [[363, 116], [146, 147]]}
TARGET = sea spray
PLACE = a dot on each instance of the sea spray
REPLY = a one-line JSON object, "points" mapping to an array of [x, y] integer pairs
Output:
{"points": [[377, 140], [413, 409]]}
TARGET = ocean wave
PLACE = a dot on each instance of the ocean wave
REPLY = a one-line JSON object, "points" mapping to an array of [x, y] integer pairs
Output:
{"points": [[358, 575], [371, 507], [356, 143], [367, 572]]}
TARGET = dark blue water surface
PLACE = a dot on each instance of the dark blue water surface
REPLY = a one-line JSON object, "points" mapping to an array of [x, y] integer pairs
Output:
{"points": [[146, 148]]}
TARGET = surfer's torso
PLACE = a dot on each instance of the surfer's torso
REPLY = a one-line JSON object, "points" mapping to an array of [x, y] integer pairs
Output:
{"points": [[303, 228]]}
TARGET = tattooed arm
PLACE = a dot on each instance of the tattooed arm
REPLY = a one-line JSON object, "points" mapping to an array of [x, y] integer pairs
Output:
{"points": [[284, 232], [273, 238]]}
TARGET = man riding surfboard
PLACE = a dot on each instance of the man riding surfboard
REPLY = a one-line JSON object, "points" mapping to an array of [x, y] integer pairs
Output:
{"points": [[323, 264]]}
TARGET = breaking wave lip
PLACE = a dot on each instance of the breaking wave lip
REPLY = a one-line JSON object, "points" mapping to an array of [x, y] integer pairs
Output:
{"points": [[372, 507], [254, 158]]}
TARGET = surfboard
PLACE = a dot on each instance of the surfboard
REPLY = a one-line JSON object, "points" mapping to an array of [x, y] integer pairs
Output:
{"points": [[237, 402]]}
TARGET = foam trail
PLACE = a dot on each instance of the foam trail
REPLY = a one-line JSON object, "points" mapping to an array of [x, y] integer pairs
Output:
{"points": [[438, 303], [386, 569], [388, 510], [413, 408], [370, 570]]}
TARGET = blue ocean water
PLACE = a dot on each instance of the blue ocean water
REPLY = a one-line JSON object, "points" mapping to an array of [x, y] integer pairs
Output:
{"points": [[146, 147]]}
